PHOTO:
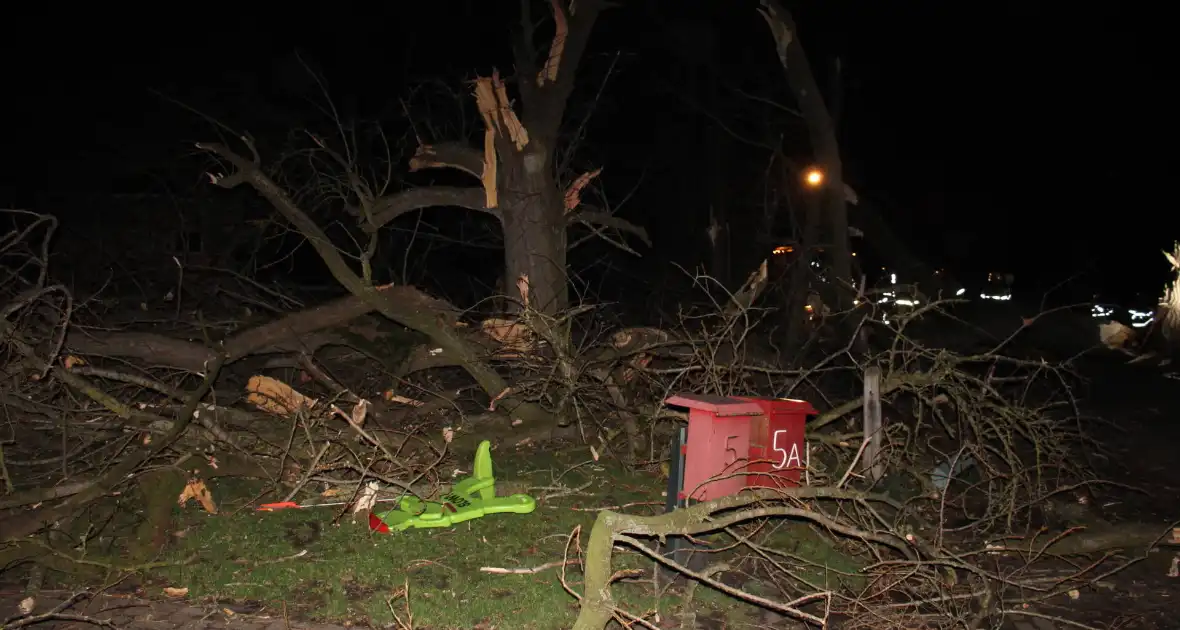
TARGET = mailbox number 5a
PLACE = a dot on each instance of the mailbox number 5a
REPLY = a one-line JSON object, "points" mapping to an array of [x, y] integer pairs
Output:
{"points": [[778, 449]]}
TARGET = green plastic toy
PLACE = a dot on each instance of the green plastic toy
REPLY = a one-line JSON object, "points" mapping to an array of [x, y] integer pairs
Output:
{"points": [[470, 498]]}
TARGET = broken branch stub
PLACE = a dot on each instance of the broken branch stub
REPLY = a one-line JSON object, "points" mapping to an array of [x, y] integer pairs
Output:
{"points": [[557, 46]]}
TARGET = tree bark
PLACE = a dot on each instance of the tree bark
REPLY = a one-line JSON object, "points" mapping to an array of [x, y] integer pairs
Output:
{"points": [[534, 230], [295, 332], [530, 203], [822, 131]]}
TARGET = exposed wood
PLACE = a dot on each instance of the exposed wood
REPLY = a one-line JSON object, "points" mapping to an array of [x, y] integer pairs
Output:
{"points": [[874, 463]]}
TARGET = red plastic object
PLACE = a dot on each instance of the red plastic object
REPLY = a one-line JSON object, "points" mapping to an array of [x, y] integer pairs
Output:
{"points": [[377, 525], [777, 449], [284, 505], [717, 445]]}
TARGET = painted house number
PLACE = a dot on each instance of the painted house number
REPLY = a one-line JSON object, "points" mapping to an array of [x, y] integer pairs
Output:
{"points": [[791, 457], [777, 449]]}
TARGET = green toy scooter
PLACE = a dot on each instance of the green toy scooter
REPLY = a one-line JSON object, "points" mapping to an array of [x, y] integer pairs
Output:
{"points": [[470, 498]]}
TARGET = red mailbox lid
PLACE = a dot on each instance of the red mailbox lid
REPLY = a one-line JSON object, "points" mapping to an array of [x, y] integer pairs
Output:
{"points": [[720, 406], [790, 405]]}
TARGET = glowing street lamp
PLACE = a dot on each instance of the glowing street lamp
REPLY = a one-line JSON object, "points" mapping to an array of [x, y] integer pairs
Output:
{"points": [[814, 178]]}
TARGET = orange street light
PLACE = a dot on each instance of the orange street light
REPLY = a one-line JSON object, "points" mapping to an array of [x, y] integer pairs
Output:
{"points": [[814, 178]]}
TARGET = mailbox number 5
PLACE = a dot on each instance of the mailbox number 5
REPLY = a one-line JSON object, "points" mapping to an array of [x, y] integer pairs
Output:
{"points": [[778, 449]]}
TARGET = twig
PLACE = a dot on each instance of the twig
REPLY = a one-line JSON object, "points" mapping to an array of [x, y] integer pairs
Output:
{"points": [[1051, 618], [530, 571], [58, 613], [855, 459]]}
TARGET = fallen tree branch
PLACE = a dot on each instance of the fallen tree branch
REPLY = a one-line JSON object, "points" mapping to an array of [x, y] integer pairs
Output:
{"points": [[291, 333], [532, 570], [26, 524], [598, 603], [410, 307]]}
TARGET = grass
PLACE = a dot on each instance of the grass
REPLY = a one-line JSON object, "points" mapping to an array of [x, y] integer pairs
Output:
{"points": [[250, 561], [351, 574]]}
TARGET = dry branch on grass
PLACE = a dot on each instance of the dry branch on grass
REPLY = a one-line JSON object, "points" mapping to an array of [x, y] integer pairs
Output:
{"points": [[929, 559], [87, 428]]}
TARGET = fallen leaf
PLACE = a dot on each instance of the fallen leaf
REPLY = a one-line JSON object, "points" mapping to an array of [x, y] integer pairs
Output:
{"points": [[392, 397], [172, 591], [196, 490], [71, 360], [1074, 594], [367, 498], [448, 434], [27, 605], [359, 411], [517, 422]]}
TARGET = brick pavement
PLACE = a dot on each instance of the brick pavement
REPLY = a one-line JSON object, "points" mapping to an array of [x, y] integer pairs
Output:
{"points": [[131, 613]]}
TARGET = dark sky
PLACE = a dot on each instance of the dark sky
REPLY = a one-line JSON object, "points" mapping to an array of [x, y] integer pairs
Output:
{"points": [[1008, 135]]}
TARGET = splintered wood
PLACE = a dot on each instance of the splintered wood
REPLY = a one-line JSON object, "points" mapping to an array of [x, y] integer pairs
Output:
{"points": [[573, 196], [557, 46], [491, 96], [276, 396], [488, 176]]}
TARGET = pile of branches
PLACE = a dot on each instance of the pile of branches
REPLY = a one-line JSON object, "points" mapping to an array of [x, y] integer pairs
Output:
{"points": [[144, 418], [974, 446], [925, 542]]}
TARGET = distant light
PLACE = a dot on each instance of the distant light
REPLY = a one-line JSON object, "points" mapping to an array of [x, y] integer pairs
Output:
{"points": [[892, 278], [783, 249], [960, 291], [814, 177]]}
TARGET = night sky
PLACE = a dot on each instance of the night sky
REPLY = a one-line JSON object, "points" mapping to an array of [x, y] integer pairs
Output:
{"points": [[1013, 136]]}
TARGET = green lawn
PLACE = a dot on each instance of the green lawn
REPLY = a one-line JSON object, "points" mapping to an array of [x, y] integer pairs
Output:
{"points": [[349, 573]]}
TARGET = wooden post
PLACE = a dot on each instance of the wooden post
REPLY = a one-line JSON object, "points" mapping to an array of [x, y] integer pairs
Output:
{"points": [[874, 465]]}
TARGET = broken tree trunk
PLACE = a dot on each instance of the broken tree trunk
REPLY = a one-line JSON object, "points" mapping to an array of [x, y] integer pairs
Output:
{"points": [[516, 166], [822, 131]]}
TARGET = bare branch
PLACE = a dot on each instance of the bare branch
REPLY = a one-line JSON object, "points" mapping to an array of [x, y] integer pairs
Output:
{"points": [[391, 207], [599, 217], [448, 155], [544, 112]]}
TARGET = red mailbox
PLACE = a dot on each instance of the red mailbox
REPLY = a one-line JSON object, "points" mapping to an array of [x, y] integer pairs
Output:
{"points": [[718, 444], [777, 449]]}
